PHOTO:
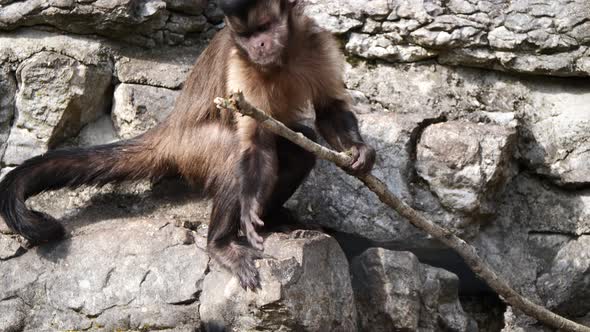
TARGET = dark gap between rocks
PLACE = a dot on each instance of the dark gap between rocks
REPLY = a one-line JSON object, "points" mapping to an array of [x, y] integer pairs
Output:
{"points": [[477, 298]]}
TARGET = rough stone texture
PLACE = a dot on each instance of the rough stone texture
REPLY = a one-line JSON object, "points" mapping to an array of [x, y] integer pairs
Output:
{"points": [[556, 139], [137, 108], [394, 292], [165, 68], [141, 22], [113, 275], [566, 285], [57, 96], [466, 164], [534, 230], [7, 94], [538, 37], [305, 286]]}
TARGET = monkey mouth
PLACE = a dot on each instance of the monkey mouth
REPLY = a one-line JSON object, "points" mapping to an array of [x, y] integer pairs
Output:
{"points": [[268, 60]]}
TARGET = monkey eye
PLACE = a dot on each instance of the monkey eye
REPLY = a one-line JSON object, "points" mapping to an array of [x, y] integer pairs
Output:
{"points": [[265, 26], [244, 34]]}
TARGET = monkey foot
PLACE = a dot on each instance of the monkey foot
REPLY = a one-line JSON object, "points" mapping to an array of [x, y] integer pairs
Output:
{"points": [[246, 270]]}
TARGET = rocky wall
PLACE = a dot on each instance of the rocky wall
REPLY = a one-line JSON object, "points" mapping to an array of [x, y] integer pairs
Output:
{"points": [[480, 114]]}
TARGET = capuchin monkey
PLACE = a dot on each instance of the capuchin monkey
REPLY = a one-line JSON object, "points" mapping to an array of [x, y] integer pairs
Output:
{"points": [[282, 62]]}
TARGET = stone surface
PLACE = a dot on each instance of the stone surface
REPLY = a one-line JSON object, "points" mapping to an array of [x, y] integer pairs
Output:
{"points": [[7, 100], [137, 108], [466, 164], [167, 68], [556, 139], [333, 199], [114, 275], [394, 292], [101, 131], [305, 286], [57, 95], [146, 23], [399, 54], [566, 284], [544, 37]]}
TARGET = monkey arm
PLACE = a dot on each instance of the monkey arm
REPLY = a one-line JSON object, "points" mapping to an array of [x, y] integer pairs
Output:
{"points": [[339, 127], [257, 175]]}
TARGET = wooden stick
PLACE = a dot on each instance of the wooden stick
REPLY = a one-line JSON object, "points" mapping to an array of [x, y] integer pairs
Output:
{"points": [[237, 103]]}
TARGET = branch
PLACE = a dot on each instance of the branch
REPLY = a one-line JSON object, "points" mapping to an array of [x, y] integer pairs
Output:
{"points": [[237, 103]]}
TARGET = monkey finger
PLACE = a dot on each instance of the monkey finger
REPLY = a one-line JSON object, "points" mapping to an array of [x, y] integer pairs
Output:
{"points": [[257, 221], [254, 239], [354, 154]]}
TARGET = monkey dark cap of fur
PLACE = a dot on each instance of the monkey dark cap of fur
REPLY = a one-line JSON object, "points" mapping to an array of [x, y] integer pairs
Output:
{"points": [[282, 62], [236, 7]]}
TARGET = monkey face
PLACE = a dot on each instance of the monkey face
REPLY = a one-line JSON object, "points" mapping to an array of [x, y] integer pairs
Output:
{"points": [[260, 29]]}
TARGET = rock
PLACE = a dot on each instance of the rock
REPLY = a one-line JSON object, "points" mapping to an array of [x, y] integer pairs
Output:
{"points": [[193, 7], [556, 140], [393, 291], [57, 96], [114, 275], [23, 44], [305, 286], [382, 47], [466, 164], [550, 210], [137, 108], [9, 246], [547, 37], [321, 11], [101, 131], [145, 23], [333, 199], [7, 96], [566, 284], [167, 68], [14, 314]]}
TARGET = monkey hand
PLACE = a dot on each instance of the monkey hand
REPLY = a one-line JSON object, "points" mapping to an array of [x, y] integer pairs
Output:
{"points": [[249, 221], [363, 158]]}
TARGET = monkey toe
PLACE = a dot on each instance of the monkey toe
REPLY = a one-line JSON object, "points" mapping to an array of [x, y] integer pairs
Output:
{"points": [[255, 240], [248, 273]]}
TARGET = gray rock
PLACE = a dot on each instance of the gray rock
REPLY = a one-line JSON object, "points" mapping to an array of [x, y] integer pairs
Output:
{"points": [[57, 96], [466, 164], [336, 200], [551, 210], [187, 6], [115, 274], [9, 246], [394, 292], [305, 286], [556, 139], [137, 108], [166, 68], [566, 285], [14, 314], [18, 46], [143, 23], [546, 37], [384, 48], [7, 100], [101, 131], [387, 290]]}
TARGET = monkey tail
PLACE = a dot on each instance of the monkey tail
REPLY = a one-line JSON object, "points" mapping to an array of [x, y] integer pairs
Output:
{"points": [[72, 168]]}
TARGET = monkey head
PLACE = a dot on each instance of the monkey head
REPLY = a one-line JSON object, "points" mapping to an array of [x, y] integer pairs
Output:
{"points": [[260, 28]]}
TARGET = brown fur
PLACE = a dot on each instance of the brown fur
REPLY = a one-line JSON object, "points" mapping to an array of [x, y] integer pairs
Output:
{"points": [[231, 156]]}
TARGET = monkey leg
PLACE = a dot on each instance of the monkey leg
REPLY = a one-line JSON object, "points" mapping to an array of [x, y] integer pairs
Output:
{"points": [[222, 240], [295, 164]]}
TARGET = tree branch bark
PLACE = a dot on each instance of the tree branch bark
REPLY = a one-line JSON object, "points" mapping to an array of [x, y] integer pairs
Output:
{"points": [[236, 103]]}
